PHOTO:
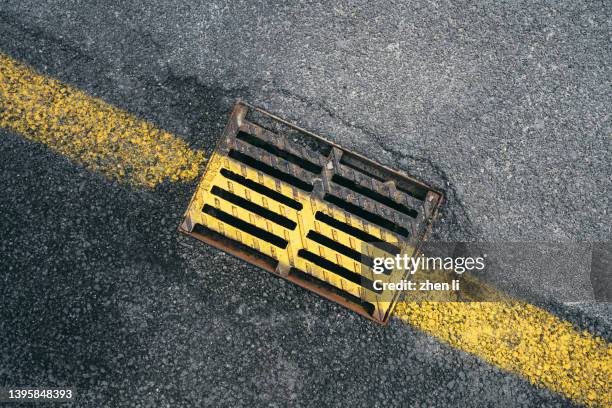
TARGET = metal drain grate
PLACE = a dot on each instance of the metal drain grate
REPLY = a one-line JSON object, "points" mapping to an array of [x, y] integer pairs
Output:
{"points": [[304, 208]]}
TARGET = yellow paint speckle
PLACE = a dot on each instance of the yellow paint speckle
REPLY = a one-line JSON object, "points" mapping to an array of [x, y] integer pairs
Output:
{"points": [[88, 130], [523, 339]]}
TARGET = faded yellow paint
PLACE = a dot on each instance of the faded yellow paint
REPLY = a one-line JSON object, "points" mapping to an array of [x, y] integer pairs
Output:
{"points": [[515, 336], [296, 238], [523, 339], [88, 130]]}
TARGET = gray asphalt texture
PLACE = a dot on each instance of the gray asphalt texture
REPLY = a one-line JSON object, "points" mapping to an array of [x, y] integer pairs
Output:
{"points": [[504, 106]]}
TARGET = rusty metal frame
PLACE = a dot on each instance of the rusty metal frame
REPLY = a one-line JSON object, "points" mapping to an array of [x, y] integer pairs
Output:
{"points": [[395, 190]]}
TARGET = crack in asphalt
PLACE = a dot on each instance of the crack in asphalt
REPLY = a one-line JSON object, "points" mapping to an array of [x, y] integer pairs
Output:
{"points": [[198, 96], [460, 224]]}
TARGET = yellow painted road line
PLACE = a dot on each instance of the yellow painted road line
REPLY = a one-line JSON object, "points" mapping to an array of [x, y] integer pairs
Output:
{"points": [[517, 337], [89, 131], [523, 339]]}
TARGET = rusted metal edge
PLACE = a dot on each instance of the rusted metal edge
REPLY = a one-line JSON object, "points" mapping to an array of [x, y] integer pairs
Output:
{"points": [[432, 204]]}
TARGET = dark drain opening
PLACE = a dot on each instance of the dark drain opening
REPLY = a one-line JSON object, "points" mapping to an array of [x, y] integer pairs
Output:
{"points": [[338, 270], [357, 233], [413, 189], [366, 215], [350, 184], [236, 246], [290, 157], [274, 172], [261, 189], [254, 208], [283, 130], [340, 248], [245, 226]]}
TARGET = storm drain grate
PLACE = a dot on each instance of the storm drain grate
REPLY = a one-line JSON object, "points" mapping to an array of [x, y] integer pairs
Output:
{"points": [[304, 208]]}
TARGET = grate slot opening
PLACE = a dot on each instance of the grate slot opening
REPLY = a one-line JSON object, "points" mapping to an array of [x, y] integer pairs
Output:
{"points": [[254, 208], [237, 246], [283, 130], [326, 287], [245, 226], [338, 270], [270, 148], [261, 189], [341, 248], [411, 188], [366, 215], [357, 233], [271, 171], [350, 184]]}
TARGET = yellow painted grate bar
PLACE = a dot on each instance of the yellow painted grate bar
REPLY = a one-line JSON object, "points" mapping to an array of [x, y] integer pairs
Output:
{"points": [[308, 210]]}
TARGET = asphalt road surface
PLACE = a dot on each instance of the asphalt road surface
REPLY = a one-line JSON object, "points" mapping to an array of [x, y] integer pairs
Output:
{"points": [[504, 106]]}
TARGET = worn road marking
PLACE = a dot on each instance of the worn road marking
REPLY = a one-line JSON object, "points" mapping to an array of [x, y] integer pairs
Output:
{"points": [[88, 130], [523, 339], [517, 337]]}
